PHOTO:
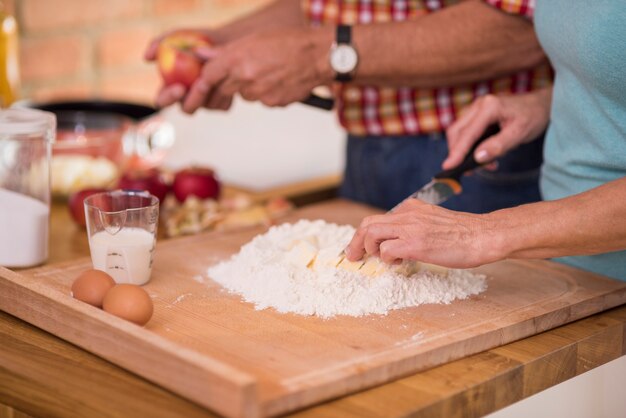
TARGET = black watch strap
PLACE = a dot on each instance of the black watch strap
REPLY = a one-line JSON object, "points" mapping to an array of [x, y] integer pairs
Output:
{"points": [[344, 36], [343, 77]]}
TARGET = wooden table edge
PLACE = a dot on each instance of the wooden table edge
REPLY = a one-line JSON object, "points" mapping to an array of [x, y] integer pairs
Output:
{"points": [[85, 384]]}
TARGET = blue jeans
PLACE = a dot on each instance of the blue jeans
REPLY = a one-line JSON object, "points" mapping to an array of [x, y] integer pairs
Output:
{"points": [[383, 170]]}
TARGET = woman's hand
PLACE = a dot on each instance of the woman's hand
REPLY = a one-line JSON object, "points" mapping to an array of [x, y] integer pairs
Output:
{"points": [[522, 118], [428, 233]]}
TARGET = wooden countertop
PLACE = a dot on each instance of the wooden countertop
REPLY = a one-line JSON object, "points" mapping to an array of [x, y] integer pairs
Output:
{"points": [[42, 375]]}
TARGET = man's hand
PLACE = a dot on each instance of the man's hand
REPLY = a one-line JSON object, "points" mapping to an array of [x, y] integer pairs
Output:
{"points": [[276, 68], [521, 118], [176, 92], [428, 233]]}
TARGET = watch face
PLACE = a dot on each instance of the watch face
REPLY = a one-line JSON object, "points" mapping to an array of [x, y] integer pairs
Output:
{"points": [[343, 58]]}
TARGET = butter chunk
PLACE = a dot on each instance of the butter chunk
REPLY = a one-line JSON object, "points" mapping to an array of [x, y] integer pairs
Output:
{"points": [[373, 266], [433, 268], [303, 254], [350, 265], [329, 257], [312, 239], [406, 268]]}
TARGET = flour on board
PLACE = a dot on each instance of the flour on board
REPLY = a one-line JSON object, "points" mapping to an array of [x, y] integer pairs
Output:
{"points": [[297, 268]]}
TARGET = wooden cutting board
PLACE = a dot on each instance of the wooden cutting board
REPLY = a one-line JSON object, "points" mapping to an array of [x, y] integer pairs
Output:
{"points": [[209, 346]]}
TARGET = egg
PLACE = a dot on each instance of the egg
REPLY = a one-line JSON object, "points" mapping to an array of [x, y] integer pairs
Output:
{"points": [[91, 286], [130, 302]]}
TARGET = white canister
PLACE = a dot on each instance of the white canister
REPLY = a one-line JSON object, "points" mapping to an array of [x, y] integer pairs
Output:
{"points": [[26, 138]]}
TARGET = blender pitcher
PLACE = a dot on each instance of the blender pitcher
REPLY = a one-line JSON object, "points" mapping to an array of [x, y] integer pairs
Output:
{"points": [[26, 137], [122, 226]]}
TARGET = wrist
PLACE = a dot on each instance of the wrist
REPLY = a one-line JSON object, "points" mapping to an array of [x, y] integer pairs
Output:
{"points": [[499, 239]]}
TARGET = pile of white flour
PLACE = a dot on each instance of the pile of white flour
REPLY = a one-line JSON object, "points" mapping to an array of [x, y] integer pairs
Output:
{"points": [[263, 274]]}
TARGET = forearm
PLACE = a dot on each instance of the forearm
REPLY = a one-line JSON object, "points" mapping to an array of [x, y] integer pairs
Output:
{"points": [[588, 223], [466, 43], [281, 14]]}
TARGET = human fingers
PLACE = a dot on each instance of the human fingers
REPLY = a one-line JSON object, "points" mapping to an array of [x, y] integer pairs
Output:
{"points": [[452, 133], [219, 102], [225, 103], [213, 72], [222, 94], [508, 138], [488, 112], [356, 248], [261, 88], [169, 95], [252, 92], [390, 251], [377, 234], [206, 53], [150, 53]]}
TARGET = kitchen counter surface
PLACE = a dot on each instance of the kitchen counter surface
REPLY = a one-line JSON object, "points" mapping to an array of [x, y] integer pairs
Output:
{"points": [[42, 375]]}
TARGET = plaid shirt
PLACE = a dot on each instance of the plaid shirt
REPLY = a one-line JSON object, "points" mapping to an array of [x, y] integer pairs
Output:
{"points": [[401, 111]]}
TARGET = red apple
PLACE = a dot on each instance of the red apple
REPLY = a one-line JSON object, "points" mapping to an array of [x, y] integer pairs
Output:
{"points": [[176, 57], [196, 181], [76, 205], [150, 181]]}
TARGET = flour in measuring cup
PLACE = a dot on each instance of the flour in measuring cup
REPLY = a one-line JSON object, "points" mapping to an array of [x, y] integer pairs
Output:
{"points": [[268, 273]]}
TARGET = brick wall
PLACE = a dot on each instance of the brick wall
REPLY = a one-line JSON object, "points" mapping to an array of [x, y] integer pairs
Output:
{"points": [[93, 48]]}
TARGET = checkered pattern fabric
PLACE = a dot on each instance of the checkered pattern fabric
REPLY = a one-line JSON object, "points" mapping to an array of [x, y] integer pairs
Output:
{"points": [[373, 110]]}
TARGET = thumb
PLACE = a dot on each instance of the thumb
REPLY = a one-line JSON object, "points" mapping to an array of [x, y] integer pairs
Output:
{"points": [[151, 51], [206, 52]]}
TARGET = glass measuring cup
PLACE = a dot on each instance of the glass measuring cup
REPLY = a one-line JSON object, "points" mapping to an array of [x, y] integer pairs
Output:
{"points": [[122, 226]]}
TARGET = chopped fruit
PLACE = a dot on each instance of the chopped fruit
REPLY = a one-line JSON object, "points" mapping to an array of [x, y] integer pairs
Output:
{"points": [[238, 202], [255, 215], [196, 215], [279, 206]]}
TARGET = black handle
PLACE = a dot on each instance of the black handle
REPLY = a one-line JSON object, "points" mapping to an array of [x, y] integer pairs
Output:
{"points": [[469, 163], [319, 102]]}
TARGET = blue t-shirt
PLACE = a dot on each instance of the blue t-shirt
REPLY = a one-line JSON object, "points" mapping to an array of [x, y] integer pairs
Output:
{"points": [[586, 142]]}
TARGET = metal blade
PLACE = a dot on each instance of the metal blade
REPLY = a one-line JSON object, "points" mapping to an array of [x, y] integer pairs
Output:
{"points": [[435, 193]]}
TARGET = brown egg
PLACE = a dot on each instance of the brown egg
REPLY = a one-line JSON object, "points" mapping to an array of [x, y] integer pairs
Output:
{"points": [[91, 287], [130, 302]]}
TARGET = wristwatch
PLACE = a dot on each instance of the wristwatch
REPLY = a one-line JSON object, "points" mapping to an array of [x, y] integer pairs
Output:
{"points": [[343, 56]]}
